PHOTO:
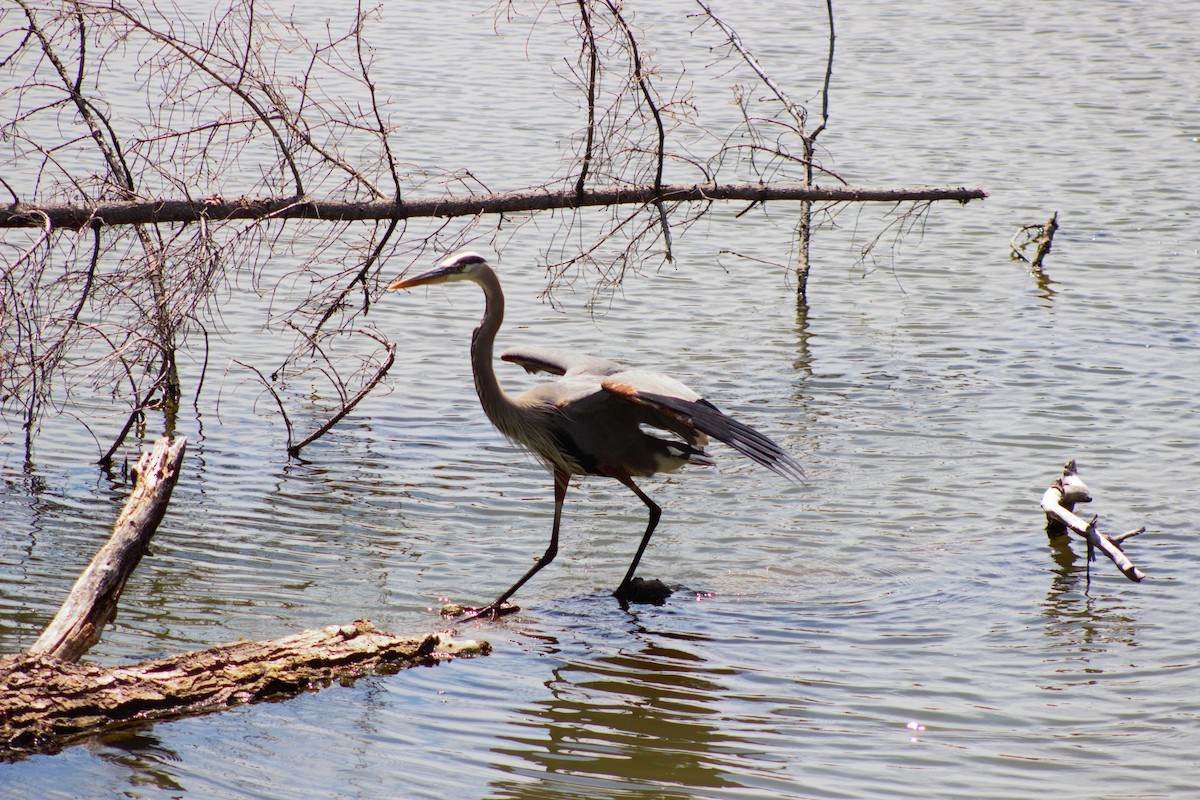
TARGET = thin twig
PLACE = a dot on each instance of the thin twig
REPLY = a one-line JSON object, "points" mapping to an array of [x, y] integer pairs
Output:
{"points": [[360, 277], [643, 83], [593, 68], [278, 401], [794, 109], [812, 137], [263, 115], [139, 408], [294, 450]]}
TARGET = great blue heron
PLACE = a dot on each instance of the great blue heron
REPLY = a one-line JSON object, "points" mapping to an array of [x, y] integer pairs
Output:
{"points": [[593, 419]]}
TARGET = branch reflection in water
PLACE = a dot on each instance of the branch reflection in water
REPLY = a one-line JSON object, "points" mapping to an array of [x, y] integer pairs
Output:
{"points": [[1082, 622], [644, 716]]}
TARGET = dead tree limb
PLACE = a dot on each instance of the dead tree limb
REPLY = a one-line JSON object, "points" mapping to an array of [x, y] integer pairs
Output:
{"points": [[92, 603], [46, 703], [347, 407], [1041, 235], [1044, 241], [1059, 501], [28, 215]]}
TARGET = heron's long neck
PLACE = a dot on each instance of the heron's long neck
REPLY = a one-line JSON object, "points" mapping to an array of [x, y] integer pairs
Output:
{"points": [[499, 407]]}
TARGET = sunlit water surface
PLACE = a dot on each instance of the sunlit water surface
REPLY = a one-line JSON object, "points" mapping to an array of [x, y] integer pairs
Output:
{"points": [[897, 627]]}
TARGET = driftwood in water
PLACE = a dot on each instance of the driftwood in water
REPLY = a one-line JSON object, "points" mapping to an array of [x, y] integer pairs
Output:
{"points": [[47, 700], [1041, 235], [1059, 504], [46, 703], [92, 603]]}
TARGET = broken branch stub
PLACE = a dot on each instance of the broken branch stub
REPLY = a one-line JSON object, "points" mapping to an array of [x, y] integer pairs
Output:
{"points": [[1042, 236], [1058, 502], [92, 603]]}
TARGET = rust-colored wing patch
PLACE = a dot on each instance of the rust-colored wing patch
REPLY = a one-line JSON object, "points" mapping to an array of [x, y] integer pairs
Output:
{"points": [[620, 389], [665, 414]]}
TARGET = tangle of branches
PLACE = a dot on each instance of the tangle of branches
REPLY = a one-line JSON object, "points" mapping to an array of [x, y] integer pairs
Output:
{"points": [[242, 102]]}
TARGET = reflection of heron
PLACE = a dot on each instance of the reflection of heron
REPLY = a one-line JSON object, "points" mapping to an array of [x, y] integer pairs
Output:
{"points": [[593, 420]]}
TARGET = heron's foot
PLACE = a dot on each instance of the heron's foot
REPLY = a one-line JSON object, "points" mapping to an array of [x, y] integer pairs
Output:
{"points": [[489, 612], [639, 590]]}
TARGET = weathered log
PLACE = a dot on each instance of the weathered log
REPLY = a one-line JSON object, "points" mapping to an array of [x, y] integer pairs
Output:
{"points": [[65, 215], [46, 703], [92, 603], [47, 700], [1058, 502]]}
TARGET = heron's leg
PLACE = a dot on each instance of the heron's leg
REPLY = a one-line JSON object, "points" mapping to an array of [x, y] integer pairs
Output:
{"points": [[655, 513], [493, 609]]}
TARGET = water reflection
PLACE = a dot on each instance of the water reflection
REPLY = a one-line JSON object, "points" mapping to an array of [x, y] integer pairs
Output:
{"points": [[142, 756], [630, 723], [1079, 621], [802, 363], [1045, 285]]}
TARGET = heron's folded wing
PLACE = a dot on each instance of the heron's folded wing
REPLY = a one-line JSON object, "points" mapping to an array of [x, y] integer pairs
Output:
{"points": [[559, 362], [697, 413]]}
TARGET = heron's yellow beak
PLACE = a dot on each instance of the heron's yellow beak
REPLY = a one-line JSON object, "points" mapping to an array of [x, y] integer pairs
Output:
{"points": [[433, 276]]}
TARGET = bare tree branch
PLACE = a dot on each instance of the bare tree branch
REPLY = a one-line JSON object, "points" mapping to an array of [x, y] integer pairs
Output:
{"points": [[348, 406], [174, 211]]}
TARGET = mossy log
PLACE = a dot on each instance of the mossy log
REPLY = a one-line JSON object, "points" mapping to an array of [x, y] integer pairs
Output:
{"points": [[46, 703]]}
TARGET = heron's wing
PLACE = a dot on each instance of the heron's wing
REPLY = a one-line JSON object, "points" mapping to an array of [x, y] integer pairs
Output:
{"points": [[559, 362], [671, 400]]}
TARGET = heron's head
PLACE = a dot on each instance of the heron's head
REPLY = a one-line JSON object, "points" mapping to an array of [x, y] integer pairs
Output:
{"points": [[462, 266]]}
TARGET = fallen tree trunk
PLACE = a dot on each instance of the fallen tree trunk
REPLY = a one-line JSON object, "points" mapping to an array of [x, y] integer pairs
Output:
{"points": [[23, 215], [46, 703], [1059, 501], [47, 700], [92, 603]]}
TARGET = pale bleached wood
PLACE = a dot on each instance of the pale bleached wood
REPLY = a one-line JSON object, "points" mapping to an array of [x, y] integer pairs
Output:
{"points": [[92, 603], [1058, 502]]}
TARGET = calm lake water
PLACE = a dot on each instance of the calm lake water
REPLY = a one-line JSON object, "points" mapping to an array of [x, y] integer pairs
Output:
{"points": [[897, 627]]}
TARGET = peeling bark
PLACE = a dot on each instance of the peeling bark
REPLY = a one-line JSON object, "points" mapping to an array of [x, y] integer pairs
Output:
{"points": [[46, 703]]}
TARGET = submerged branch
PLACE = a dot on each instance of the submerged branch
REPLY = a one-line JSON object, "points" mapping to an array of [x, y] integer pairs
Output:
{"points": [[347, 407]]}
